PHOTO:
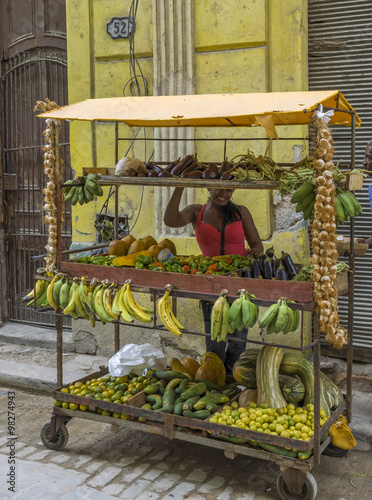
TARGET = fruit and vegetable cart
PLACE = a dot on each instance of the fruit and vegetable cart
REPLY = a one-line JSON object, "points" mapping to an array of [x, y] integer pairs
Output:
{"points": [[318, 296]]}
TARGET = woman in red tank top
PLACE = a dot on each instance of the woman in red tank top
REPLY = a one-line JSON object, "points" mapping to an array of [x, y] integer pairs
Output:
{"points": [[221, 227]]}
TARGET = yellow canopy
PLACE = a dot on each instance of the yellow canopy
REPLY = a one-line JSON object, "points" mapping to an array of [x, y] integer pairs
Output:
{"points": [[210, 110]]}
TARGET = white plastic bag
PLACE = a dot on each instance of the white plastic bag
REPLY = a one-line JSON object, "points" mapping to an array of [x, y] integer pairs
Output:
{"points": [[133, 358]]}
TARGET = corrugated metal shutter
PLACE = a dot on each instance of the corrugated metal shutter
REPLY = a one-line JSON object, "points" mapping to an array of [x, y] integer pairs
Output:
{"points": [[340, 57]]}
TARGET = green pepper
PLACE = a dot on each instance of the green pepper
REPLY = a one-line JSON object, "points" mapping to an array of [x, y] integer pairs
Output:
{"points": [[139, 265], [145, 259]]}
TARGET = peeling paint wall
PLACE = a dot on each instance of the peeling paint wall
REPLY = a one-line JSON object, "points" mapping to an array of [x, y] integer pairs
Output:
{"points": [[256, 46]]}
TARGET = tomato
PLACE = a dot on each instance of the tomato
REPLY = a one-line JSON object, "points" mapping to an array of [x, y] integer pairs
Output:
{"points": [[186, 269]]}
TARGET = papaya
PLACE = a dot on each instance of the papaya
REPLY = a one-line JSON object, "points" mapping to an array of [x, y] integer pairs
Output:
{"points": [[177, 365], [168, 244], [154, 251], [149, 241], [136, 246], [128, 239], [216, 363], [206, 372], [118, 248], [191, 365]]}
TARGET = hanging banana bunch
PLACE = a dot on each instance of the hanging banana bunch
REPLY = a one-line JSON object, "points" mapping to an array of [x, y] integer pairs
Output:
{"points": [[38, 295], [82, 189], [346, 206], [279, 317], [304, 197], [220, 318], [243, 312], [166, 314]]}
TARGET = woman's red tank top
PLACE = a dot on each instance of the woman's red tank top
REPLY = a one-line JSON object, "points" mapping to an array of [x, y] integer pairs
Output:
{"points": [[209, 237]]}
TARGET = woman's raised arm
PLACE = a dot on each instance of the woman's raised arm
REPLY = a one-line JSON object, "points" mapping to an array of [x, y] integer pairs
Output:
{"points": [[173, 217], [251, 233]]}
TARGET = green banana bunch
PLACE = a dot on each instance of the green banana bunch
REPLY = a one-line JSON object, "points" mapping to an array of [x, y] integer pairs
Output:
{"points": [[346, 206], [304, 196], [82, 189], [279, 317], [40, 285], [243, 312]]}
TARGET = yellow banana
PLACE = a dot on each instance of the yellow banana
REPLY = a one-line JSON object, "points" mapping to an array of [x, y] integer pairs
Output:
{"points": [[71, 304], [50, 292], [85, 299], [125, 316], [40, 285], [79, 308], [164, 314], [98, 306], [171, 314], [107, 302], [132, 307], [216, 318]]}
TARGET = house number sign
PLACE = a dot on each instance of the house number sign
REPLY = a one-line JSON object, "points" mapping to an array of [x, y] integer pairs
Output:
{"points": [[120, 27]]}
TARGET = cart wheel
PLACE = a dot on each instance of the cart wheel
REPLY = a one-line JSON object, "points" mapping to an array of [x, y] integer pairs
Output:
{"points": [[334, 451], [60, 439], [309, 489]]}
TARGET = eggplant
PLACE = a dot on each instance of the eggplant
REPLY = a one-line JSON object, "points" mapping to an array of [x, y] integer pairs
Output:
{"points": [[277, 264], [289, 265], [268, 272], [281, 273], [270, 252], [196, 174], [225, 165], [248, 273], [261, 259], [171, 166], [257, 273], [184, 163], [190, 168]]}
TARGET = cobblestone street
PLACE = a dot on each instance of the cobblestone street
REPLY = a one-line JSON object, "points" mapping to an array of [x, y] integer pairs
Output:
{"points": [[99, 463]]}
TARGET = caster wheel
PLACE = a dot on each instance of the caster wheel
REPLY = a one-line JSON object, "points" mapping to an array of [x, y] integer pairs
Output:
{"points": [[60, 439], [334, 451], [309, 489]]}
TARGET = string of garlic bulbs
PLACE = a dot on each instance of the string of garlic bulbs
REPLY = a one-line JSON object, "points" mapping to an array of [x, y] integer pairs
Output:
{"points": [[53, 169], [324, 257]]}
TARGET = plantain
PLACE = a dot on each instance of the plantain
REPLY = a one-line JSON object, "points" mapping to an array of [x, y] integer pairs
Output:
{"points": [[270, 313], [301, 192], [282, 316], [216, 318]]}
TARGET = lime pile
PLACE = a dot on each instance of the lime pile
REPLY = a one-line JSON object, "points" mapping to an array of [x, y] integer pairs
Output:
{"points": [[289, 421], [111, 389]]}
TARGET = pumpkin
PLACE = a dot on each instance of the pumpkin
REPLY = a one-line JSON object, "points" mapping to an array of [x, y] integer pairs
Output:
{"points": [[136, 246], [206, 372], [219, 367], [292, 388], [247, 396], [244, 372], [191, 365], [294, 364]]}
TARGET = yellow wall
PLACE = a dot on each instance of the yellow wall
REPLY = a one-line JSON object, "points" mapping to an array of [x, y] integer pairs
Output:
{"points": [[260, 46]]}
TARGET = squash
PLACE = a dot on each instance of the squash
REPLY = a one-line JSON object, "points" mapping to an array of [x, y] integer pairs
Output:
{"points": [[128, 260], [334, 393], [294, 364], [212, 359], [244, 372], [250, 355], [136, 246], [246, 397], [191, 365], [267, 374], [149, 241], [292, 388], [206, 372], [177, 365]]}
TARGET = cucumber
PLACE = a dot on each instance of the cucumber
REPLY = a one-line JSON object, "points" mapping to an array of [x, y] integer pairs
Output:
{"points": [[231, 439], [172, 384], [210, 385], [304, 455], [212, 407], [170, 374], [151, 389], [211, 398], [168, 399], [155, 400], [279, 450], [199, 415], [196, 390], [178, 407], [189, 403], [183, 385]]}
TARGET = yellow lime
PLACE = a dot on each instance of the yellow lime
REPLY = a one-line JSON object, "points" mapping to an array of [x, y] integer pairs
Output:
{"points": [[83, 407], [73, 406]]}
